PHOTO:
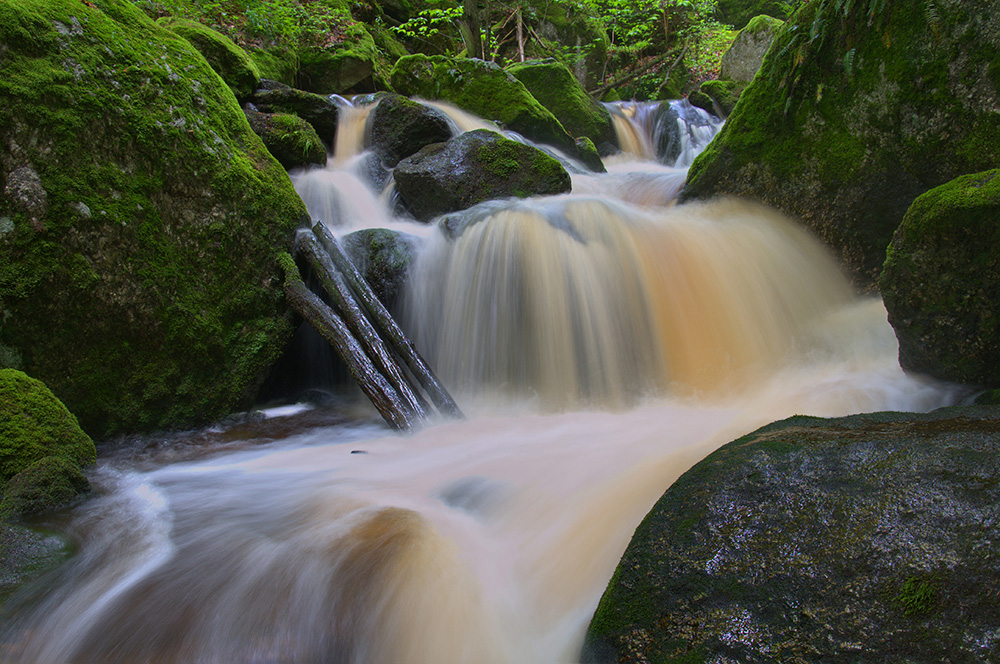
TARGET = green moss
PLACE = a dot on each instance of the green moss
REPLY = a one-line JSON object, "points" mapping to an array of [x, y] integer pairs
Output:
{"points": [[45, 485], [35, 425], [481, 88], [158, 201], [918, 596], [555, 87], [230, 61]]}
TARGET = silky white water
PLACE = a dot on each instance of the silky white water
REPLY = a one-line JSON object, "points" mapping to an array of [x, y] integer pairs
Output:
{"points": [[600, 348]]}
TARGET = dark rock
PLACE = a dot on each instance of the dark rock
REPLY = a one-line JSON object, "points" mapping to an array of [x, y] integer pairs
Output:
{"points": [[845, 129], [862, 539], [319, 111], [383, 257], [289, 138], [399, 127], [941, 282], [477, 166], [25, 555]]}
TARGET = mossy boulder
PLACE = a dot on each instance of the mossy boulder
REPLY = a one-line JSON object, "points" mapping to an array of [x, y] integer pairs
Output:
{"points": [[140, 217], [292, 140], [739, 13], [398, 127], [45, 485], [858, 539], [846, 124], [319, 111], [384, 258], [941, 282], [482, 88], [476, 166], [35, 425], [717, 97], [743, 58], [228, 60], [339, 55], [555, 87]]}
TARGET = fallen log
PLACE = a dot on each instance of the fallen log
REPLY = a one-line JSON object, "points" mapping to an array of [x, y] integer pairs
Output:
{"points": [[396, 412], [347, 307], [386, 324]]}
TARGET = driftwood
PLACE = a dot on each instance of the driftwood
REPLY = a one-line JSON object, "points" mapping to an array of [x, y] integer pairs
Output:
{"points": [[386, 324], [347, 307], [396, 412]]}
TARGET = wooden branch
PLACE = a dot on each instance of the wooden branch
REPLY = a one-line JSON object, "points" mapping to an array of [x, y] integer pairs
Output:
{"points": [[382, 395], [386, 324]]}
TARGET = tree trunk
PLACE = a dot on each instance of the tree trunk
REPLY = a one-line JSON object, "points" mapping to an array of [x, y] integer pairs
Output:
{"points": [[473, 22]]}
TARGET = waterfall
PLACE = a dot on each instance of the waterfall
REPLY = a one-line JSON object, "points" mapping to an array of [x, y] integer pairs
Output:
{"points": [[602, 342]]}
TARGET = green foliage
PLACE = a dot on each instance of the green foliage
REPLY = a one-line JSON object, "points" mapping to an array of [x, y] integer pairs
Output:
{"points": [[917, 596], [430, 23]]}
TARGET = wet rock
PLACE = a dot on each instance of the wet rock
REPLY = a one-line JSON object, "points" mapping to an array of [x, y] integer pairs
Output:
{"points": [[291, 140], [867, 538], [941, 282], [400, 127], [383, 257], [477, 166]]}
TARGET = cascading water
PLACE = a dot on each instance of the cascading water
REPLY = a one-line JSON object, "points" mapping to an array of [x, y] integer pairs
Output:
{"points": [[654, 333]]}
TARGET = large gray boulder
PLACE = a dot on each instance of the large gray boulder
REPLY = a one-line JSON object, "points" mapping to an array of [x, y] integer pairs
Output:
{"points": [[743, 58], [474, 167], [862, 539]]}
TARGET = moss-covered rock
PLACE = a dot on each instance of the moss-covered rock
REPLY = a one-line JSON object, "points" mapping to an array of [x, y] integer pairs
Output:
{"points": [[384, 257], [339, 54], [482, 88], [292, 140], [45, 485], [941, 281], [141, 216], [229, 61], [474, 167], [717, 97], [743, 58], [35, 425], [319, 111], [739, 13], [850, 119], [398, 127], [859, 539], [555, 87]]}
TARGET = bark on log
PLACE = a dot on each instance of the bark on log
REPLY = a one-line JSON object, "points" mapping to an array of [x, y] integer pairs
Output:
{"points": [[381, 393], [347, 307], [387, 325]]}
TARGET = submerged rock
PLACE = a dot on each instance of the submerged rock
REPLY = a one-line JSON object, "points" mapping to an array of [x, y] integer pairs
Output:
{"points": [[852, 117], [858, 539], [474, 167], [941, 282], [139, 220], [399, 127]]}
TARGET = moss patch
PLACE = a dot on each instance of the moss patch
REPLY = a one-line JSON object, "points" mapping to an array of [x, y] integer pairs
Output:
{"points": [[230, 61]]}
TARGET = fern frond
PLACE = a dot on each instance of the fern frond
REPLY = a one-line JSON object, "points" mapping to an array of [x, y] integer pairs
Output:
{"points": [[849, 62]]}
